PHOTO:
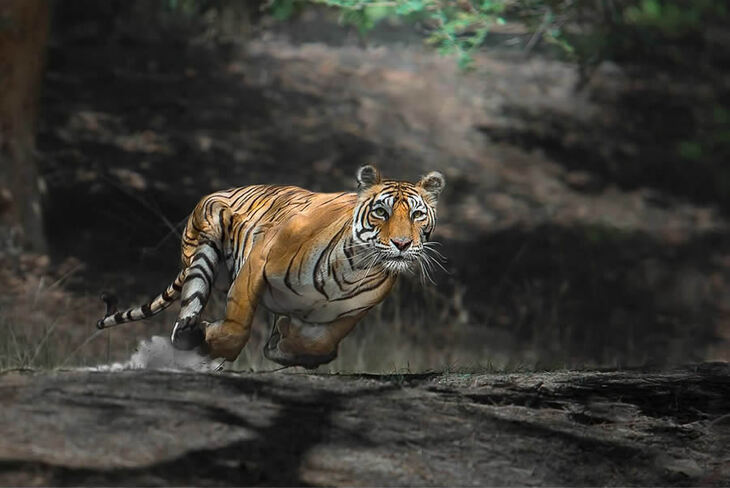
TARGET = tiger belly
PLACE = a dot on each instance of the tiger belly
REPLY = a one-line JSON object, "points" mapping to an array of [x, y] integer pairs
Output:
{"points": [[307, 304], [312, 307]]}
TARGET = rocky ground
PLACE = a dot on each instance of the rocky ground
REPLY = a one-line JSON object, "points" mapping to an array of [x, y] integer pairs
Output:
{"points": [[154, 428]]}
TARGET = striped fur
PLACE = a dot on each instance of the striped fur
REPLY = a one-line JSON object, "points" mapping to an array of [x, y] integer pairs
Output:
{"points": [[319, 261]]}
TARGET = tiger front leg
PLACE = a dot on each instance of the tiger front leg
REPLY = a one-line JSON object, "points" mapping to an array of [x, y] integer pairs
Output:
{"points": [[309, 345], [226, 338]]}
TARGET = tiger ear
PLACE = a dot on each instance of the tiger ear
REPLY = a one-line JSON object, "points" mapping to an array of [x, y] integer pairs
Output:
{"points": [[433, 183], [367, 176]]}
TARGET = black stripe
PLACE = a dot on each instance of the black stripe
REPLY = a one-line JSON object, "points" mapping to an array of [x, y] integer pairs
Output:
{"points": [[213, 246], [146, 310], [267, 208], [229, 229], [243, 196], [197, 229], [358, 309], [283, 206], [333, 267], [349, 251], [319, 283], [197, 276], [200, 255], [118, 317], [195, 296], [287, 276], [267, 193], [339, 195], [359, 290], [200, 267], [220, 219]]}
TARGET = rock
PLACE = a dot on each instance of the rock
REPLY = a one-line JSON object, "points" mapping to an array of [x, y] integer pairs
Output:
{"points": [[145, 427]]}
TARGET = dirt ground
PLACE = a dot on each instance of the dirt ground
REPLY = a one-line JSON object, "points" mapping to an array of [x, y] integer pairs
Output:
{"points": [[156, 428]]}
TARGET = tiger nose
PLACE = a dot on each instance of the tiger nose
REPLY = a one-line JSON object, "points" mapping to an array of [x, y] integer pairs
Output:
{"points": [[401, 243]]}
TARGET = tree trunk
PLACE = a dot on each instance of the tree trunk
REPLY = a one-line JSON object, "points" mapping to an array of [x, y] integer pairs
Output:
{"points": [[24, 28]]}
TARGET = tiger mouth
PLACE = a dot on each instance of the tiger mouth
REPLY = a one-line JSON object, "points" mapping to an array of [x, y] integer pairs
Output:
{"points": [[399, 263]]}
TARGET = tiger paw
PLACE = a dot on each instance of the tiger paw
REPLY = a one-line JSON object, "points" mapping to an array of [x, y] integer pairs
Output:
{"points": [[222, 340], [187, 333], [309, 361], [287, 349]]}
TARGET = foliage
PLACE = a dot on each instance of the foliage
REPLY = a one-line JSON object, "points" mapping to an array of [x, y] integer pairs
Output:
{"points": [[670, 36], [586, 31], [673, 19], [455, 27]]}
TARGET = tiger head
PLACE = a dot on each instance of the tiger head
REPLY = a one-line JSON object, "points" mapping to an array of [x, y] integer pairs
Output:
{"points": [[393, 220]]}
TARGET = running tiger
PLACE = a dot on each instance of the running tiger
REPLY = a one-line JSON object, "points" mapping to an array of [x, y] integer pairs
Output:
{"points": [[318, 261]]}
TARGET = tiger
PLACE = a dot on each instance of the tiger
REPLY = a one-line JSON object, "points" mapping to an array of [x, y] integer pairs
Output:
{"points": [[317, 261]]}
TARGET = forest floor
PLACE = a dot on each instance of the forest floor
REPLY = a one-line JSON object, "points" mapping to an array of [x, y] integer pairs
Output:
{"points": [[156, 428]]}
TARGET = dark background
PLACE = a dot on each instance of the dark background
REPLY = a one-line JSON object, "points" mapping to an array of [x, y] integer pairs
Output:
{"points": [[585, 215]]}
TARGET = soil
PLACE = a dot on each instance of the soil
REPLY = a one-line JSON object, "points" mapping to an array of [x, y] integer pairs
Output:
{"points": [[157, 428]]}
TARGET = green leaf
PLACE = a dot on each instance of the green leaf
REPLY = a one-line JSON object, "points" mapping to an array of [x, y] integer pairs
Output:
{"points": [[691, 150]]}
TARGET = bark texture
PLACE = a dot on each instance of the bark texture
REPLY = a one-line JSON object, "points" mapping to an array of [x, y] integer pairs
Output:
{"points": [[23, 36]]}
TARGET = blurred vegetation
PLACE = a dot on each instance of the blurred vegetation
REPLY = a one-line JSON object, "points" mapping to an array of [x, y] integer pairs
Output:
{"points": [[683, 114], [684, 120]]}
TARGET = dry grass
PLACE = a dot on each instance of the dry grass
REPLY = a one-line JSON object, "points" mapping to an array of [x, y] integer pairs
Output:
{"points": [[45, 325]]}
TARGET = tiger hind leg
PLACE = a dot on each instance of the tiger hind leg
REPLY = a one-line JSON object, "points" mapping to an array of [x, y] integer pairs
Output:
{"points": [[188, 331]]}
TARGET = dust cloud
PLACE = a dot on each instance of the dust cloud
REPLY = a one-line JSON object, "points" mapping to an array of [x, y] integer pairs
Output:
{"points": [[157, 353]]}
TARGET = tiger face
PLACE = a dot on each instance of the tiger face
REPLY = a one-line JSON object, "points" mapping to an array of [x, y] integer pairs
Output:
{"points": [[393, 220]]}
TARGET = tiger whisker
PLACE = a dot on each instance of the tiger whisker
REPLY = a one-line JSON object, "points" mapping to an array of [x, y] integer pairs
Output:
{"points": [[357, 260], [431, 258], [424, 274], [438, 262], [434, 253], [367, 273]]}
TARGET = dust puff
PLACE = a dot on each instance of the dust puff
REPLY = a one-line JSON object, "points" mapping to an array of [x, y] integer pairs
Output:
{"points": [[158, 353]]}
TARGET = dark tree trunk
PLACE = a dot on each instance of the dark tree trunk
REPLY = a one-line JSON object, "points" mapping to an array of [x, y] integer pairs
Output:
{"points": [[23, 36]]}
